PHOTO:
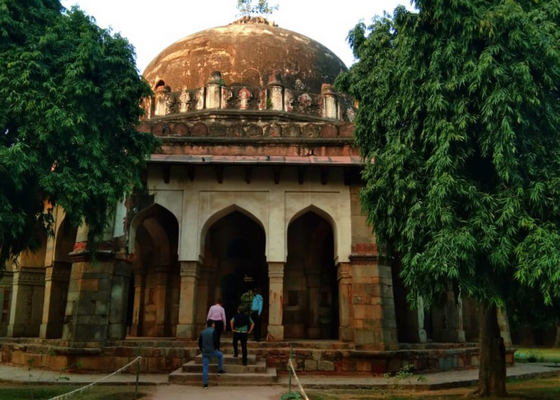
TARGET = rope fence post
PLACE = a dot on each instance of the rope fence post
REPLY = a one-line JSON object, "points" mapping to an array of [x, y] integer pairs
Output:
{"points": [[290, 371], [138, 370]]}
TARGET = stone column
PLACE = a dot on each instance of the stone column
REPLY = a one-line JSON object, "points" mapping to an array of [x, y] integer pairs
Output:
{"points": [[275, 303], [57, 279], [329, 101], [344, 277], [203, 291], [160, 297], [161, 101], [89, 297], [213, 92], [448, 320], [419, 332], [137, 313], [313, 298], [190, 275], [275, 93], [27, 302], [5, 301], [375, 323], [119, 298]]}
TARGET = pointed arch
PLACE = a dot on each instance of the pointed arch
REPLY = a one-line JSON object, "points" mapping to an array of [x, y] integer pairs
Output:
{"points": [[153, 301], [158, 212], [64, 241], [311, 311], [212, 219], [321, 213]]}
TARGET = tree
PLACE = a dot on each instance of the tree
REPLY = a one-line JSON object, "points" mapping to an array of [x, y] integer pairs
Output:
{"points": [[69, 102], [459, 113], [246, 7]]}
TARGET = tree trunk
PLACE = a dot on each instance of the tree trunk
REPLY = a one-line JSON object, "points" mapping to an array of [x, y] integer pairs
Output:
{"points": [[492, 356], [557, 339]]}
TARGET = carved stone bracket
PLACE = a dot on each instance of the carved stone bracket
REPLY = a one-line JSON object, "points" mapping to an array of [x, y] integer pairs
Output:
{"points": [[166, 173], [219, 173], [324, 175], [301, 175], [190, 171], [276, 174], [248, 172]]}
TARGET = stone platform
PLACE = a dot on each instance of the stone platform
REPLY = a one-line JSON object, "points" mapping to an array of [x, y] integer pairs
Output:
{"points": [[165, 355]]}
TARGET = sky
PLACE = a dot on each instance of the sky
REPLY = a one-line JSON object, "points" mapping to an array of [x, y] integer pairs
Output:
{"points": [[151, 26]]}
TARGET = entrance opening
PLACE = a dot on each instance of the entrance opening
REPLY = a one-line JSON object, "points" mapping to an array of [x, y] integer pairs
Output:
{"points": [[310, 284], [155, 278], [236, 264]]}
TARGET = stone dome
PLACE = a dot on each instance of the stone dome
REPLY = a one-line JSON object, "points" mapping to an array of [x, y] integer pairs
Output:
{"points": [[250, 52]]}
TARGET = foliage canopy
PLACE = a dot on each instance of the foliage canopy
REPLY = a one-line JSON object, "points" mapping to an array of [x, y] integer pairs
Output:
{"points": [[459, 111], [69, 103], [246, 7]]}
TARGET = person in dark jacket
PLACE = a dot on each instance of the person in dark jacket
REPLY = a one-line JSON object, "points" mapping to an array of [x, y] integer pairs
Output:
{"points": [[208, 343], [241, 326]]}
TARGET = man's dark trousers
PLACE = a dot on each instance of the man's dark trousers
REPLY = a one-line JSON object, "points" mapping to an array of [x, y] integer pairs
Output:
{"points": [[219, 327], [240, 337], [257, 320]]}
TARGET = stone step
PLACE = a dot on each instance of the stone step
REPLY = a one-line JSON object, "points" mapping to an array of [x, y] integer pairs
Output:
{"points": [[229, 359], [228, 379], [259, 367]]}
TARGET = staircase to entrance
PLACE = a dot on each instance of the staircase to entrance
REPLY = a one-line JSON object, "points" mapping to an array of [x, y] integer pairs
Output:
{"points": [[236, 373]]}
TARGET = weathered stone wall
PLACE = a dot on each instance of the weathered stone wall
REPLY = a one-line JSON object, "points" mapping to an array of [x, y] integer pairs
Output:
{"points": [[308, 357]]}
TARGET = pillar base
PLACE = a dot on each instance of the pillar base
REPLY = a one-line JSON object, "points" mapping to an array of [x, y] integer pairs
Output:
{"points": [[276, 331], [50, 331], [346, 334], [185, 331]]}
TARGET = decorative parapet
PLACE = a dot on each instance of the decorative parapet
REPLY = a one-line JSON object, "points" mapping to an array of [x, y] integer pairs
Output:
{"points": [[272, 97]]}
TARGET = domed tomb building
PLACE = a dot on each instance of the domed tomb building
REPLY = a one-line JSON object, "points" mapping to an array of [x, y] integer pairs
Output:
{"points": [[255, 187]]}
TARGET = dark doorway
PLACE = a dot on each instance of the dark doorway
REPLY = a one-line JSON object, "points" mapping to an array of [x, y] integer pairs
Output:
{"points": [[310, 284], [235, 254]]}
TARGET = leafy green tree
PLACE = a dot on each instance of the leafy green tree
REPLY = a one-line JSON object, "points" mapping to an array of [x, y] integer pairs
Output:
{"points": [[247, 8], [69, 103], [459, 112]]}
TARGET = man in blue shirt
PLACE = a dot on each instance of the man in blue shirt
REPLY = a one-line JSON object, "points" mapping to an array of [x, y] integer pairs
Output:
{"points": [[208, 343], [256, 311]]}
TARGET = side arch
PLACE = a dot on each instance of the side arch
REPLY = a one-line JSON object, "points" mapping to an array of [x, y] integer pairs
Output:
{"points": [[153, 210], [321, 213], [153, 298]]}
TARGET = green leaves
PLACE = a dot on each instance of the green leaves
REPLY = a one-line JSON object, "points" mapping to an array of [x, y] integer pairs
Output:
{"points": [[69, 104], [458, 106]]}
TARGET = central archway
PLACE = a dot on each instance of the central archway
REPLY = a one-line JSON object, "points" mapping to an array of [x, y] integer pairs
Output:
{"points": [[235, 263]]}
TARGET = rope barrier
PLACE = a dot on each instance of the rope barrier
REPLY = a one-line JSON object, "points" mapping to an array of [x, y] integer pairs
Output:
{"points": [[79, 390], [292, 369]]}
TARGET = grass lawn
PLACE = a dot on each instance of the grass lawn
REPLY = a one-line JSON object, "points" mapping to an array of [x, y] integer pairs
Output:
{"points": [[534, 389], [535, 354], [13, 391]]}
